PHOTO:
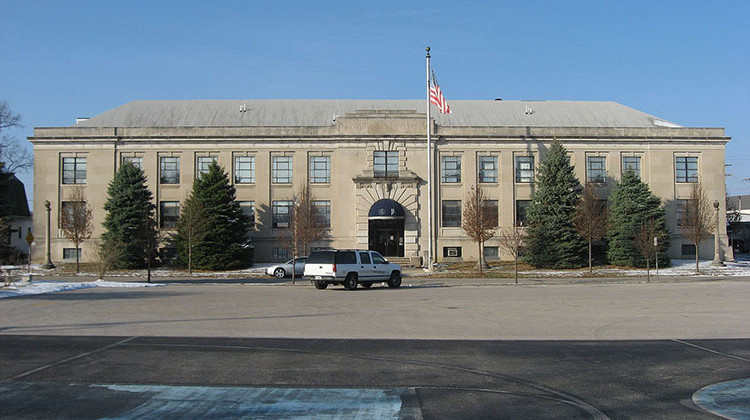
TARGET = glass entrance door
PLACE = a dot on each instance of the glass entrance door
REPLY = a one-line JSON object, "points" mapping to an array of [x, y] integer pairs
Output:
{"points": [[387, 237]]}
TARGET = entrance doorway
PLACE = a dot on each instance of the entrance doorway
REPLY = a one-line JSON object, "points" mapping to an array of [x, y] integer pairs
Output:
{"points": [[386, 228]]}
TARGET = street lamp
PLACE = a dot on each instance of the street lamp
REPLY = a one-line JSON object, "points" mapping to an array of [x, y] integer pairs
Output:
{"points": [[717, 243]]}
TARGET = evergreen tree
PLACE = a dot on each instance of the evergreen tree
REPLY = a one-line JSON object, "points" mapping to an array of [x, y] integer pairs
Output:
{"points": [[553, 241], [632, 204], [219, 241], [129, 231]]}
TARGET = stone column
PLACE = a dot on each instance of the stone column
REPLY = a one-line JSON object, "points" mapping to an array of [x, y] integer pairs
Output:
{"points": [[717, 241]]}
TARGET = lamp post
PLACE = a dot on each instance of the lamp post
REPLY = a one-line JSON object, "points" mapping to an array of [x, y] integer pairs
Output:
{"points": [[717, 242], [48, 259]]}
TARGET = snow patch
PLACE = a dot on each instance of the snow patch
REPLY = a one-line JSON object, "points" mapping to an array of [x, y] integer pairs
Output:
{"points": [[40, 287]]}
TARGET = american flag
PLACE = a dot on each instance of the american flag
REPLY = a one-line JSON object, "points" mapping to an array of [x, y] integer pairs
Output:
{"points": [[437, 98]]}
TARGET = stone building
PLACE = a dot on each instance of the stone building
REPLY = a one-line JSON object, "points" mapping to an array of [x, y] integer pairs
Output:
{"points": [[366, 163]]}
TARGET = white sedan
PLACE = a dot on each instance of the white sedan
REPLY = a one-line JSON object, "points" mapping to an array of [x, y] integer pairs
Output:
{"points": [[282, 270]]}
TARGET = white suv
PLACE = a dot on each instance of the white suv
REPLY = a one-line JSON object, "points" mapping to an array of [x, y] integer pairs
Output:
{"points": [[350, 268]]}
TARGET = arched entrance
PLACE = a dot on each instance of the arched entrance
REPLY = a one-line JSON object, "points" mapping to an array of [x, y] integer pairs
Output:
{"points": [[386, 228]]}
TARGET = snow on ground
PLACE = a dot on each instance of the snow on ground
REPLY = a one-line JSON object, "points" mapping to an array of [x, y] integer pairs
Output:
{"points": [[40, 287]]}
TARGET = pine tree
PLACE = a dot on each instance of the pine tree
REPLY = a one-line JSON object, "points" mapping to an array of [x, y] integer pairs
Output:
{"points": [[553, 241], [221, 240], [632, 204], [129, 231]]}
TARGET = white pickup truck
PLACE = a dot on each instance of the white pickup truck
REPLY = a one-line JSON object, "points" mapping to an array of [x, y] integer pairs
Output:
{"points": [[350, 268]]}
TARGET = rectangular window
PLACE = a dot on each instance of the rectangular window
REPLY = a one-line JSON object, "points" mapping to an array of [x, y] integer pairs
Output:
{"points": [[686, 169], [169, 214], [135, 160], [320, 169], [487, 168], [281, 210], [521, 207], [682, 211], [244, 169], [74, 170], [281, 170], [524, 169], [492, 211], [169, 170], [364, 258], [688, 250], [451, 213], [632, 163], [451, 251], [491, 253], [279, 254], [385, 164], [69, 210], [450, 169], [248, 209], [322, 211], [202, 163], [70, 253], [596, 171]]}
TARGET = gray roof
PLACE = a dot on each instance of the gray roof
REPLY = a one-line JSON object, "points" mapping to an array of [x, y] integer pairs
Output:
{"points": [[286, 113]]}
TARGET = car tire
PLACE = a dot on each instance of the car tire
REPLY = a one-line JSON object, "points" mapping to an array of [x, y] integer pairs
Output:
{"points": [[395, 280], [350, 283], [366, 284], [320, 285], [279, 273]]}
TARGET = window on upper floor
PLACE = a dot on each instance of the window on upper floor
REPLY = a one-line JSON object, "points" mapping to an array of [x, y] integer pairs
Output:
{"points": [[524, 169], [169, 170], [596, 169], [74, 170], [450, 169], [202, 164], [135, 160], [686, 169], [632, 163], [385, 164], [244, 169], [487, 166], [281, 169], [320, 169]]}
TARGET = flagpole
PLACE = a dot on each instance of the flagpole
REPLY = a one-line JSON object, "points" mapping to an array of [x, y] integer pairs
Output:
{"points": [[429, 172]]}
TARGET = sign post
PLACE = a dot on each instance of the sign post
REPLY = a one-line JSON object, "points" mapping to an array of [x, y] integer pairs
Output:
{"points": [[656, 253], [30, 241]]}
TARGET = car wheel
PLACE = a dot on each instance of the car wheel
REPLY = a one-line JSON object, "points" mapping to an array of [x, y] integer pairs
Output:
{"points": [[350, 283], [279, 273], [320, 285], [395, 280], [367, 285]]}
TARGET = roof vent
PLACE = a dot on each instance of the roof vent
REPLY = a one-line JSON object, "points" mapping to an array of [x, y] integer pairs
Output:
{"points": [[81, 119]]}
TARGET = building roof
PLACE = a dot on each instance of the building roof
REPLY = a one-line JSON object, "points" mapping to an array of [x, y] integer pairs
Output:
{"points": [[291, 113], [13, 195]]}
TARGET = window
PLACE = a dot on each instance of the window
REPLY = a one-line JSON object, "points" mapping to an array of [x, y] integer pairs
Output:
{"points": [[688, 250], [385, 164], [244, 169], [70, 253], [450, 169], [202, 163], [279, 254], [322, 212], [169, 214], [632, 163], [74, 170], [487, 168], [364, 258], [682, 208], [135, 160], [320, 169], [451, 213], [524, 169], [280, 212], [491, 253], [491, 208], [596, 171], [521, 207], [248, 209], [451, 251], [377, 258], [281, 170], [169, 170], [686, 169], [70, 211]]}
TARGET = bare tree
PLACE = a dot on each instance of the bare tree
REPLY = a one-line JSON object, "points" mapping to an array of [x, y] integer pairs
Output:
{"points": [[591, 218], [512, 240], [77, 225], [479, 220], [307, 224], [698, 219], [645, 243], [13, 156]]}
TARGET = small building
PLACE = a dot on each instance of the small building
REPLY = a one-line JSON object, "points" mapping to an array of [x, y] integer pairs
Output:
{"points": [[18, 217], [738, 220], [366, 164]]}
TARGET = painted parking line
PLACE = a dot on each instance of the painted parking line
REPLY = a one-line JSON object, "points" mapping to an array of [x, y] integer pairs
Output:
{"points": [[729, 399]]}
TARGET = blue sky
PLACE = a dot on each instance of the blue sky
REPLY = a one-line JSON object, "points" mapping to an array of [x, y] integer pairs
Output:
{"points": [[684, 61]]}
